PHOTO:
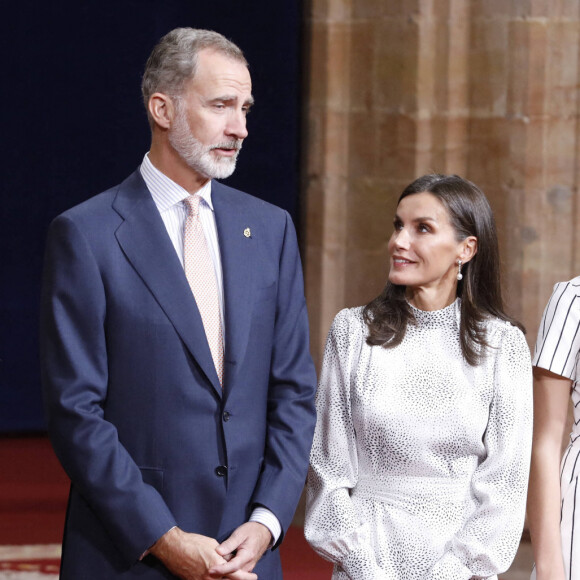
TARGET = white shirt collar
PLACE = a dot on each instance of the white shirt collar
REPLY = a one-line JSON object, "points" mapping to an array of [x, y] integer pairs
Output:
{"points": [[165, 192]]}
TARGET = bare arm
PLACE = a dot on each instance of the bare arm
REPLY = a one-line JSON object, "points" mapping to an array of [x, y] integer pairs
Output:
{"points": [[551, 399]]}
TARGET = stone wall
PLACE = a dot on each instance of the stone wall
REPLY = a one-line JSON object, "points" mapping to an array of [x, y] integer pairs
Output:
{"points": [[488, 89]]}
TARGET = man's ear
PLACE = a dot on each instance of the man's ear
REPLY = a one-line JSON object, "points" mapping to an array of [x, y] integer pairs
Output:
{"points": [[469, 249], [162, 110]]}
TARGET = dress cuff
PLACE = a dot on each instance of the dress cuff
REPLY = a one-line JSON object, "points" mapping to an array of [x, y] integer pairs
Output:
{"points": [[362, 564], [449, 566]]}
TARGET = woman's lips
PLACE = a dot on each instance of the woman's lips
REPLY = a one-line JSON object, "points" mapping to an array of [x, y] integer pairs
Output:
{"points": [[401, 262]]}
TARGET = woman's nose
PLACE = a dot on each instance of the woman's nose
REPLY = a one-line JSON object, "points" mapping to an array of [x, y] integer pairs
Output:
{"points": [[402, 238]]}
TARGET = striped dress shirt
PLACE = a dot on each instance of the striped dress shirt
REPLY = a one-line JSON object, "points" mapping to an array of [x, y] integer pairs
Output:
{"points": [[168, 197]]}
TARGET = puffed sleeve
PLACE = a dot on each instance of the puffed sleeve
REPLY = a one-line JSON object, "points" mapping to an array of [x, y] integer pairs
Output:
{"points": [[558, 345], [487, 543], [333, 528]]}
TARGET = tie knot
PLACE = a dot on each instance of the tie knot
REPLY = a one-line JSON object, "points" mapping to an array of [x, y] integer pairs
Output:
{"points": [[192, 203]]}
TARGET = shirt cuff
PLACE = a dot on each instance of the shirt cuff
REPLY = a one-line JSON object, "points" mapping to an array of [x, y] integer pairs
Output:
{"points": [[265, 517]]}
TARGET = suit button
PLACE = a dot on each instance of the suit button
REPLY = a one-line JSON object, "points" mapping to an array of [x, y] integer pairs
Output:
{"points": [[226, 416], [221, 470]]}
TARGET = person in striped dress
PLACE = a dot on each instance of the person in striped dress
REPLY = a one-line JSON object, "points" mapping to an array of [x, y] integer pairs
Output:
{"points": [[554, 497]]}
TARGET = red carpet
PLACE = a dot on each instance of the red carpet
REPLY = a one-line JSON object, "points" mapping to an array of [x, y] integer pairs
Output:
{"points": [[33, 492], [33, 495], [299, 561]]}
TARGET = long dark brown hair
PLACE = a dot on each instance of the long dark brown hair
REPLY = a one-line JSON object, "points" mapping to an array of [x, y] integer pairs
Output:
{"points": [[469, 212]]}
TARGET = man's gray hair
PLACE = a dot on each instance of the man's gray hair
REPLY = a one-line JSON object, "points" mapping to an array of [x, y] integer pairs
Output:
{"points": [[174, 60]]}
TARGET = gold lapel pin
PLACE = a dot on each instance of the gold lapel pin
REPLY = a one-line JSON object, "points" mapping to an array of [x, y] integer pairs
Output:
{"points": [[247, 233]]}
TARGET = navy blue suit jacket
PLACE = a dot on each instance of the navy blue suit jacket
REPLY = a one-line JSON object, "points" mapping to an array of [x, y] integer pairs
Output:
{"points": [[135, 410]]}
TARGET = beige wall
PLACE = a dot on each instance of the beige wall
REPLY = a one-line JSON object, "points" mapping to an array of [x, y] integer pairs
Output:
{"points": [[488, 89]]}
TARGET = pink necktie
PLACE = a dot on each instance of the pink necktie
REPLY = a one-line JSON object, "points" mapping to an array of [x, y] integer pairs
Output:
{"points": [[200, 274]]}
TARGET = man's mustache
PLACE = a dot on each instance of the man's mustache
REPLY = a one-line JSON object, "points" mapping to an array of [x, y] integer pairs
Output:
{"points": [[237, 145]]}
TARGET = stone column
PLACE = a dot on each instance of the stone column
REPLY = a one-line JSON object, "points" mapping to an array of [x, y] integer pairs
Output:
{"points": [[487, 89]]}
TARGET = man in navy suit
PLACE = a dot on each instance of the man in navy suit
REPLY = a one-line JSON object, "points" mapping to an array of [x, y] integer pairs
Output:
{"points": [[185, 434]]}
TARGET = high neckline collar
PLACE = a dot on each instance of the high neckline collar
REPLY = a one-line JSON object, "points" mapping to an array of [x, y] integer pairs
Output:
{"points": [[448, 315]]}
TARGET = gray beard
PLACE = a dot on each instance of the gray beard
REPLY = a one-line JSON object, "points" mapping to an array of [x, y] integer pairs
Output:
{"points": [[197, 155]]}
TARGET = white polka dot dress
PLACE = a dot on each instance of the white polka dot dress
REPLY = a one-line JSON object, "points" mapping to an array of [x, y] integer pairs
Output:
{"points": [[558, 350], [420, 462]]}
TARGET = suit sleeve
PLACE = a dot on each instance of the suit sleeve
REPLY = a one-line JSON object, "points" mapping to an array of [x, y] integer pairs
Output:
{"points": [[75, 378], [291, 414]]}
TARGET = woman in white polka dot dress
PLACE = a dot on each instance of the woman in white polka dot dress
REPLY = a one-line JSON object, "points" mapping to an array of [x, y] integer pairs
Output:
{"points": [[554, 501], [420, 460]]}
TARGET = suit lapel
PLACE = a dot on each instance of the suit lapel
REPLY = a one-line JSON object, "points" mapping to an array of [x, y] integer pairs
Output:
{"points": [[145, 242], [238, 255]]}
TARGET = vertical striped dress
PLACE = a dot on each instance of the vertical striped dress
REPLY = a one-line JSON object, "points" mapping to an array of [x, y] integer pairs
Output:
{"points": [[558, 350]]}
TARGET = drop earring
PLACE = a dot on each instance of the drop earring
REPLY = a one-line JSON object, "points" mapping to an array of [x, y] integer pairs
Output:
{"points": [[459, 274]]}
